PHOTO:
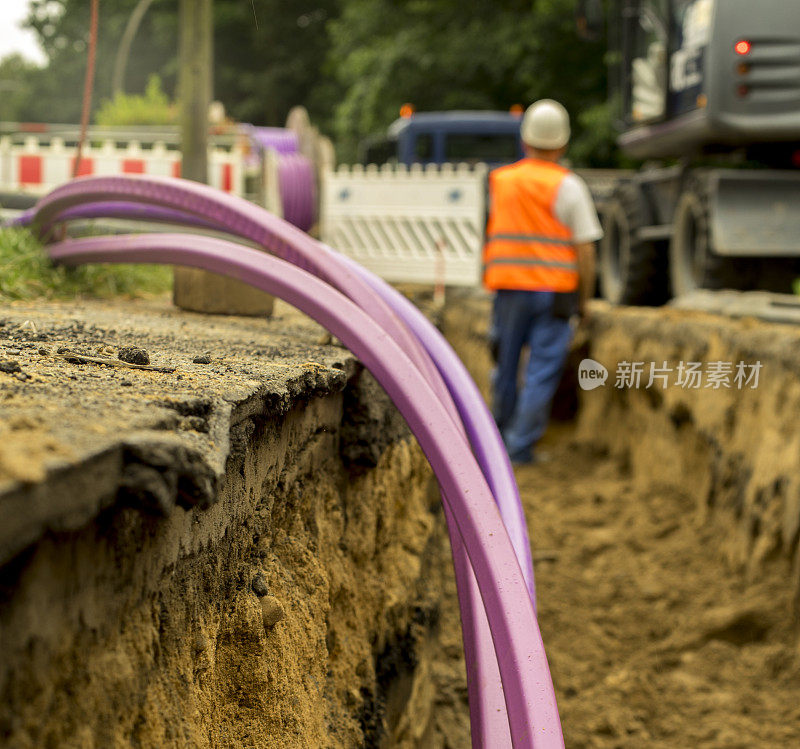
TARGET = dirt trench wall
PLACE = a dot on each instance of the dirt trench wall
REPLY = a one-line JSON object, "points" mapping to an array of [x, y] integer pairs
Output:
{"points": [[309, 603], [735, 452]]}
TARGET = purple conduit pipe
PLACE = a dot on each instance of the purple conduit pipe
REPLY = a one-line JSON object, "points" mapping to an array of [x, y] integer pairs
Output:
{"points": [[24, 219], [488, 705], [480, 426], [193, 201], [532, 711]]}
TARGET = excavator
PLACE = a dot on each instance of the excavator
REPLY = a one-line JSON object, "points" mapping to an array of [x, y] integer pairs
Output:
{"points": [[708, 97]]}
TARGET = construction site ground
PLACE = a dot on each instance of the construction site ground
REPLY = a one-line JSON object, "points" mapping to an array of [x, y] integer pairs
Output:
{"points": [[656, 635], [653, 640]]}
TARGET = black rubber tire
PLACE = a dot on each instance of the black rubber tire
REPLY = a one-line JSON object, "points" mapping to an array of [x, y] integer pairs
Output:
{"points": [[693, 264], [632, 271]]}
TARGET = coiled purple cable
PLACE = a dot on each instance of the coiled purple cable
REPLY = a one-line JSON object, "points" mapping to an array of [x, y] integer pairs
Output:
{"points": [[298, 190]]}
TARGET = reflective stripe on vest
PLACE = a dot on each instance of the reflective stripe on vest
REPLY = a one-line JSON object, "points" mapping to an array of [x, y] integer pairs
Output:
{"points": [[527, 247]]}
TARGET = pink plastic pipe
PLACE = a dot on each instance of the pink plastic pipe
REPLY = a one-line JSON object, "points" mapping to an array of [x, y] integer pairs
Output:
{"points": [[530, 701], [242, 218], [486, 701]]}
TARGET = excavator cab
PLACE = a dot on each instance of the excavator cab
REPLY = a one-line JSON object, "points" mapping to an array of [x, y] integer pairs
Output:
{"points": [[706, 75], [709, 95]]}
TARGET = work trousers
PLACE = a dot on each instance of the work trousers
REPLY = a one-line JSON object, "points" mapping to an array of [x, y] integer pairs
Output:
{"points": [[523, 318]]}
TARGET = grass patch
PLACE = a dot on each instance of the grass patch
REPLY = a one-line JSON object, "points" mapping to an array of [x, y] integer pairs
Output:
{"points": [[26, 273]]}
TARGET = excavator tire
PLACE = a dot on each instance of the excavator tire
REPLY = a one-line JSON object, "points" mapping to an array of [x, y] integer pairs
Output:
{"points": [[632, 270]]}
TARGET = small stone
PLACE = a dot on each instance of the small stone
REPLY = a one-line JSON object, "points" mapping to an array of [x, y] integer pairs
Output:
{"points": [[62, 350], [200, 643], [133, 355], [10, 367], [43, 351], [271, 611], [259, 585], [204, 359], [126, 383]]}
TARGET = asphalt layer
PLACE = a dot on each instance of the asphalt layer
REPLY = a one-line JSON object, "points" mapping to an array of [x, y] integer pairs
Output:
{"points": [[81, 429]]}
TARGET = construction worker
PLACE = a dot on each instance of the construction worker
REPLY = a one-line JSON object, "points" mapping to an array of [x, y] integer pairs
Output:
{"points": [[539, 259]]}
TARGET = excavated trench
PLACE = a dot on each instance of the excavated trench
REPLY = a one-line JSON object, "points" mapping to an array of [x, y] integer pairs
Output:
{"points": [[245, 547], [665, 527]]}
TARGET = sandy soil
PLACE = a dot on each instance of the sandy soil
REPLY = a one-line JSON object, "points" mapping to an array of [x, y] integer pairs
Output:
{"points": [[656, 637], [652, 641], [306, 601]]}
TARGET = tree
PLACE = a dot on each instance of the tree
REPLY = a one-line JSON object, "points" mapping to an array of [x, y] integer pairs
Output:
{"points": [[447, 54], [267, 54], [62, 27], [352, 63]]}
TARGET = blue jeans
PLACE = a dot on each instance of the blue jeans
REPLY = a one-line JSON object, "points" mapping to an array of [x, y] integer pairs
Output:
{"points": [[520, 318]]}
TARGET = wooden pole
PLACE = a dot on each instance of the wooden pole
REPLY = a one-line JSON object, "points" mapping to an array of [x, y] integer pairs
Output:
{"points": [[195, 289], [195, 86]]}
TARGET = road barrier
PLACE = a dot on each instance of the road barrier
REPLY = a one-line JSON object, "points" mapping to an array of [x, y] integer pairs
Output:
{"points": [[37, 165], [408, 224]]}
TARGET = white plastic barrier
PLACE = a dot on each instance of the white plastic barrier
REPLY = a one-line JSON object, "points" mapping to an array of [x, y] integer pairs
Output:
{"points": [[408, 225], [37, 165]]}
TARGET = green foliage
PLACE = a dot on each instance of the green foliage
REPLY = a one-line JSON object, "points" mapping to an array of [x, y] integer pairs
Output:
{"points": [[267, 56], [446, 54], [26, 273], [596, 144], [352, 63], [62, 28], [151, 108]]}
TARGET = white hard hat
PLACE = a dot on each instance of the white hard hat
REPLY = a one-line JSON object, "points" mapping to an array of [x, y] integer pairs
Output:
{"points": [[545, 125]]}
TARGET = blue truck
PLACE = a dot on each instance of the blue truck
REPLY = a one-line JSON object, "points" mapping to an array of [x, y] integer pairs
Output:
{"points": [[447, 137]]}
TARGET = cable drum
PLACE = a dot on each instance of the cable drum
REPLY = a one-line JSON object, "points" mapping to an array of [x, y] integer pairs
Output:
{"points": [[298, 189], [293, 173], [277, 138]]}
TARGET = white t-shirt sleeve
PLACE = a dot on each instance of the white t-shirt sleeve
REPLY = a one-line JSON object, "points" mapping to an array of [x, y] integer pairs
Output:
{"points": [[574, 208]]}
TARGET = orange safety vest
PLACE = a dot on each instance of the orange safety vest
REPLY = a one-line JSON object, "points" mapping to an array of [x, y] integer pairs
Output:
{"points": [[527, 247]]}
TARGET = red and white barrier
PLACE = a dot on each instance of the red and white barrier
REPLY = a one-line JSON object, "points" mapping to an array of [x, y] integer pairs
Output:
{"points": [[36, 166]]}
